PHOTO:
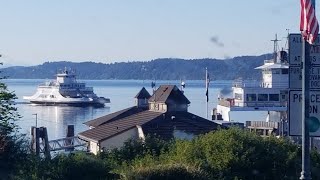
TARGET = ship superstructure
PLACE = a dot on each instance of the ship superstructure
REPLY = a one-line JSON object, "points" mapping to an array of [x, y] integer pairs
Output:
{"points": [[66, 90], [270, 94]]}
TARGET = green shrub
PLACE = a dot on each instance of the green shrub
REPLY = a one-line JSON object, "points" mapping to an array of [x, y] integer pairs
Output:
{"points": [[168, 172], [78, 166]]}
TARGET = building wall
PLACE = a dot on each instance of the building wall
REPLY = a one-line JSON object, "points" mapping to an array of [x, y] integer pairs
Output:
{"points": [[238, 95], [161, 107], [275, 78], [118, 140], [93, 147], [224, 111]]}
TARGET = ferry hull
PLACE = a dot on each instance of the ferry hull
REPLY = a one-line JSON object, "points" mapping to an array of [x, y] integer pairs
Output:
{"points": [[75, 104]]}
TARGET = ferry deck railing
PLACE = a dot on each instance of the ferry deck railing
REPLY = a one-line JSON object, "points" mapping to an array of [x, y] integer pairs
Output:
{"points": [[232, 103], [260, 84]]}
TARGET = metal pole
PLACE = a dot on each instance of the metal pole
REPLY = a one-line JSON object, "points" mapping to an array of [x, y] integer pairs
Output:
{"points": [[207, 89], [305, 65]]}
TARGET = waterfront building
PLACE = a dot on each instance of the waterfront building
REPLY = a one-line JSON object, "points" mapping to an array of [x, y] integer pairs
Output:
{"points": [[165, 115]]}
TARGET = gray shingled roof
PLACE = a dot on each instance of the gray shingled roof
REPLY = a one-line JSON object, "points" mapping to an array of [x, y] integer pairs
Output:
{"points": [[183, 121], [152, 122], [110, 129], [168, 92], [114, 116], [143, 93]]}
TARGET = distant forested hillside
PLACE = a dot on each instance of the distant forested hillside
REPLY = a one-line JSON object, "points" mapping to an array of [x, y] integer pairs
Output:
{"points": [[160, 69]]}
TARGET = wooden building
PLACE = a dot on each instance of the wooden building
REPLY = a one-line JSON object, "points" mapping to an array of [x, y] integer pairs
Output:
{"points": [[165, 114]]}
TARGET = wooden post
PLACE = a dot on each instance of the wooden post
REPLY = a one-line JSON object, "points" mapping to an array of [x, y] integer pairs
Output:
{"points": [[37, 143], [33, 138], [70, 133], [45, 139]]}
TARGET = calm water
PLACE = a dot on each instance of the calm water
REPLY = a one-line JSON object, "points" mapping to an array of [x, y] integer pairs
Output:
{"points": [[121, 94]]}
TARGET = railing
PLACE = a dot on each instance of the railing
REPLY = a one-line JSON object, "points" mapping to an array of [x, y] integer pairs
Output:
{"points": [[255, 84], [232, 103], [260, 104], [262, 124], [63, 144]]}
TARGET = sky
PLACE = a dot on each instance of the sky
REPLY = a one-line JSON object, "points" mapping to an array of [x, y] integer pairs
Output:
{"points": [[36, 31]]}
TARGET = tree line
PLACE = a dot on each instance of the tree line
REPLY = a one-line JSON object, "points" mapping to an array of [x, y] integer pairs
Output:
{"points": [[159, 69]]}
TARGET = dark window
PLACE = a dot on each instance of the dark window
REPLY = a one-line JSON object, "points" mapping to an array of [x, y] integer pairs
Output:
{"points": [[238, 96], [251, 97], [273, 97], [262, 97], [285, 71]]}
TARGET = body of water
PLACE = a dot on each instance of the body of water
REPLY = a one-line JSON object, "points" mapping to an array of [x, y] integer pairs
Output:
{"points": [[121, 94]]}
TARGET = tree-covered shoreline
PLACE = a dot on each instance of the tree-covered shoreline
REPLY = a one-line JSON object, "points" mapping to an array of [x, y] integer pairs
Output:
{"points": [[159, 69]]}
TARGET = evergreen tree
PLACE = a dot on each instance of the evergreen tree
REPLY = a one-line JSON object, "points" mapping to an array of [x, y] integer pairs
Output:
{"points": [[11, 144]]}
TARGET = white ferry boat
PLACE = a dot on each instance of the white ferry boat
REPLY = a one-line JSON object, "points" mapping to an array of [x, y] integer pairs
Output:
{"points": [[270, 94], [66, 90]]}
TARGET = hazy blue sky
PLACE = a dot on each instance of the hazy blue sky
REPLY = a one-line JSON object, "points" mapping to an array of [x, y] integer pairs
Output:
{"points": [[33, 32]]}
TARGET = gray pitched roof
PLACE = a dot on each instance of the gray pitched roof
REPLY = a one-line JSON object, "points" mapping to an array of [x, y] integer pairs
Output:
{"points": [[165, 93], [162, 124], [182, 121], [110, 129], [143, 93], [113, 116]]}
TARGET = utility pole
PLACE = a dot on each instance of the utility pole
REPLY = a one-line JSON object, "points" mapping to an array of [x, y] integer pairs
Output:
{"points": [[305, 65]]}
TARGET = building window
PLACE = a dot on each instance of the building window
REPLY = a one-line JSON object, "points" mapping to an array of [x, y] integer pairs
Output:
{"points": [[238, 96], [251, 97], [266, 71], [262, 97], [273, 97], [285, 71], [277, 71]]}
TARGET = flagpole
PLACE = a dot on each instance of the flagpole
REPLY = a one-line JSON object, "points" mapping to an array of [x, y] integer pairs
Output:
{"points": [[305, 65], [207, 88]]}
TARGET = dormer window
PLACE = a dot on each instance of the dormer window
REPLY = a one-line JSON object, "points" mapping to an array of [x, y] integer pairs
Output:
{"points": [[168, 98]]}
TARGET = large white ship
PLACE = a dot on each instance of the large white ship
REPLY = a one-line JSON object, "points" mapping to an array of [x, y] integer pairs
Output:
{"points": [[66, 90], [270, 94]]}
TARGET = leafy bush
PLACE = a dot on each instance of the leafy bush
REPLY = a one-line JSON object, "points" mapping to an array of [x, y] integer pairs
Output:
{"points": [[224, 154], [78, 166], [174, 171]]}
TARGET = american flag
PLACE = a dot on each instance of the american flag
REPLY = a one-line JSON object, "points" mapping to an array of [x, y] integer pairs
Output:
{"points": [[309, 26]]}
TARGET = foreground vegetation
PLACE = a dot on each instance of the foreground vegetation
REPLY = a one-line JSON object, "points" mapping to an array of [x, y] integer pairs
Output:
{"points": [[225, 154]]}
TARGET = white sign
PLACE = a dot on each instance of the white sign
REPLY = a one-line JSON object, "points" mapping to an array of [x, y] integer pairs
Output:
{"points": [[295, 50], [295, 80], [295, 113]]}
